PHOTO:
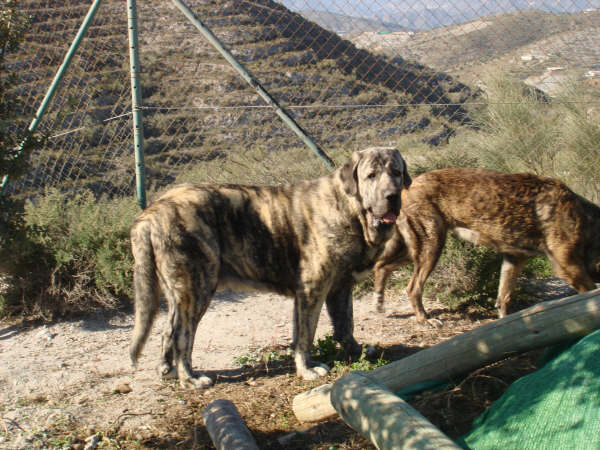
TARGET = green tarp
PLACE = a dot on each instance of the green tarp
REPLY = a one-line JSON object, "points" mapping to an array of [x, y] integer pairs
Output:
{"points": [[557, 407]]}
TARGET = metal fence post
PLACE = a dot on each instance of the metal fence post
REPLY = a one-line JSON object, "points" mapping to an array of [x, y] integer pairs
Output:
{"points": [[59, 74], [208, 34], [136, 103]]}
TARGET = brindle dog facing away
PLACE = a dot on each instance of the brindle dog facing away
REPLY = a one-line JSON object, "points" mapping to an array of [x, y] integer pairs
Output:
{"points": [[309, 240], [517, 215]]}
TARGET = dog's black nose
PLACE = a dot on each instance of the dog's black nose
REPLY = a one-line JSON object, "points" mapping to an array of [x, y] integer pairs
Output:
{"points": [[392, 197]]}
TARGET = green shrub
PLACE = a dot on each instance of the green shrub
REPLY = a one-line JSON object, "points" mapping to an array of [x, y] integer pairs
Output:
{"points": [[362, 363], [78, 253], [578, 141], [451, 156], [522, 130], [329, 351], [326, 349], [23, 273], [538, 267], [465, 273], [262, 356], [518, 130]]}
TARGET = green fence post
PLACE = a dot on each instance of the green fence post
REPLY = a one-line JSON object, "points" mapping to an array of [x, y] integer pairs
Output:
{"points": [[59, 74], [136, 103], [208, 34]]}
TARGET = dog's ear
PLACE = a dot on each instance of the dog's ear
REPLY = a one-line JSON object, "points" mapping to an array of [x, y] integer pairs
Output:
{"points": [[348, 174], [405, 176]]}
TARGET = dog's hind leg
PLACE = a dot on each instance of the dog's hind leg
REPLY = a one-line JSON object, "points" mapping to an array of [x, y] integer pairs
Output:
{"points": [[186, 308], [571, 268], [307, 307], [188, 280], [512, 265]]}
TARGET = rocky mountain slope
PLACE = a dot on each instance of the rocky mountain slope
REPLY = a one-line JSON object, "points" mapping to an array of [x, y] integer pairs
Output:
{"points": [[342, 24], [523, 44]]}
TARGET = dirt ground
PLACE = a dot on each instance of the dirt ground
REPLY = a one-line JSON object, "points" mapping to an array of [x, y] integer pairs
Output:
{"points": [[70, 384]]}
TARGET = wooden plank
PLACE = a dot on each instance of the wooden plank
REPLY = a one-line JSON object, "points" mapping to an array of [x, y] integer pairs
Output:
{"points": [[383, 417], [226, 427], [539, 326]]}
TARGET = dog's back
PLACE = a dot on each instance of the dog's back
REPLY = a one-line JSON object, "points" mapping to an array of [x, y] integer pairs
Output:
{"points": [[520, 213]]}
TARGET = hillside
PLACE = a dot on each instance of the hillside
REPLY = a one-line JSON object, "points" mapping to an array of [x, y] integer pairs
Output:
{"points": [[423, 16], [342, 24], [524, 43], [197, 108]]}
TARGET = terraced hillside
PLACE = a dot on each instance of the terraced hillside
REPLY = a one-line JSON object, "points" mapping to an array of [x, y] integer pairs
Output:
{"points": [[196, 108], [524, 43]]}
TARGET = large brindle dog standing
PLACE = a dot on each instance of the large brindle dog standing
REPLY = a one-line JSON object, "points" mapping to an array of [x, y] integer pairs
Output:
{"points": [[518, 215], [309, 241]]}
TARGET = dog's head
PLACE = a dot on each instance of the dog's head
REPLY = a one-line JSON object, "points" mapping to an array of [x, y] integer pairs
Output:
{"points": [[376, 176]]}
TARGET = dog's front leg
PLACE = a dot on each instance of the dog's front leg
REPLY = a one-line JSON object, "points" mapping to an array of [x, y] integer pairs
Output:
{"points": [[341, 313], [307, 308], [382, 273]]}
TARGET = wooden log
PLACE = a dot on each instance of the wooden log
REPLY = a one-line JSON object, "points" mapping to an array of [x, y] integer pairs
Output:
{"points": [[383, 417], [539, 326], [226, 427]]}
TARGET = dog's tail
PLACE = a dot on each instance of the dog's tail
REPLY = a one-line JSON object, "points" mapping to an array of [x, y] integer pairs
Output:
{"points": [[145, 285]]}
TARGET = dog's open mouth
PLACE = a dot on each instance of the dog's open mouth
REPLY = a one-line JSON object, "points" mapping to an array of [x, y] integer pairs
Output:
{"points": [[388, 218]]}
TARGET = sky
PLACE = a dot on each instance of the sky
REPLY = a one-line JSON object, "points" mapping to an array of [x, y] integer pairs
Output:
{"points": [[434, 13]]}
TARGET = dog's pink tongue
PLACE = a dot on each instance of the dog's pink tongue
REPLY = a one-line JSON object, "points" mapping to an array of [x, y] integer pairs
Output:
{"points": [[389, 217]]}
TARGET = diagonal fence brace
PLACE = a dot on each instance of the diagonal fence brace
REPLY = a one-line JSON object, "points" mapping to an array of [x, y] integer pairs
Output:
{"points": [[208, 34]]}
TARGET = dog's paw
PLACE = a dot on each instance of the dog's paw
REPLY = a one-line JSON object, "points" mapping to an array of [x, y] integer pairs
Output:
{"points": [[435, 323], [201, 382], [321, 369], [369, 351], [430, 323], [314, 373], [379, 302], [352, 348], [166, 371]]}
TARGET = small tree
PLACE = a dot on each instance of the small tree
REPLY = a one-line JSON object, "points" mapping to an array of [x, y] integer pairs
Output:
{"points": [[15, 144]]}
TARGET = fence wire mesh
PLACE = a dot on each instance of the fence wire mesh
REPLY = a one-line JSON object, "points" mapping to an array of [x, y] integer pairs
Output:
{"points": [[355, 73]]}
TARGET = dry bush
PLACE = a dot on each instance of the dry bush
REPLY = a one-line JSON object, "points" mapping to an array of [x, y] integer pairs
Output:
{"points": [[75, 256]]}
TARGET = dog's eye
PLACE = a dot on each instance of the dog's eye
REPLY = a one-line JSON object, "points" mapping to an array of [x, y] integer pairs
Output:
{"points": [[372, 175]]}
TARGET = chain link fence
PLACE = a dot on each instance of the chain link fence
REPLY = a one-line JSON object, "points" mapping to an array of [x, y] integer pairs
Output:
{"points": [[351, 73]]}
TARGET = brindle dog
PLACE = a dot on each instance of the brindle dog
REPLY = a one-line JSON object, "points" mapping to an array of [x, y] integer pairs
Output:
{"points": [[309, 240], [517, 215]]}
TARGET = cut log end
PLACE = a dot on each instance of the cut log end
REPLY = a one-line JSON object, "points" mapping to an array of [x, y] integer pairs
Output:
{"points": [[226, 427]]}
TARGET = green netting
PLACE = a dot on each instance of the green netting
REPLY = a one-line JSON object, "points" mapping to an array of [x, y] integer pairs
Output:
{"points": [[556, 407]]}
